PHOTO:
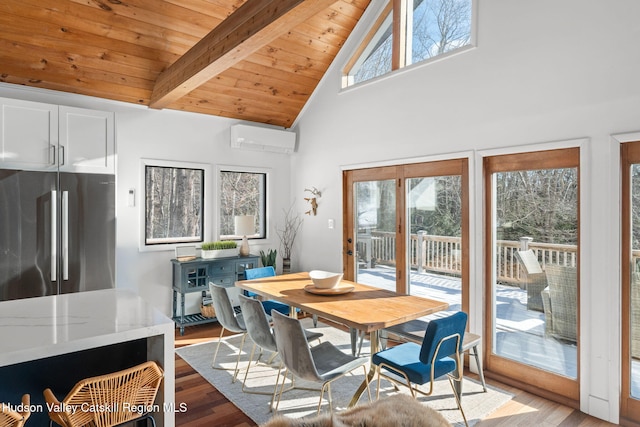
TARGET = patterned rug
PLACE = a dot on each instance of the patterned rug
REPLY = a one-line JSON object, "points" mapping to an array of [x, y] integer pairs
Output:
{"points": [[476, 403]]}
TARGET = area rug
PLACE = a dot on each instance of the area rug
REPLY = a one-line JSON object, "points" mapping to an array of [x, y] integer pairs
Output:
{"points": [[476, 403]]}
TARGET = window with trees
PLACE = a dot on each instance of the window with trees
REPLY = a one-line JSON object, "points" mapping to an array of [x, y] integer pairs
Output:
{"points": [[408, 32], [174, 203], [242, 193]]}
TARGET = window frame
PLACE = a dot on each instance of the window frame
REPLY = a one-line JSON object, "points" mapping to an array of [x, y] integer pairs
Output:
{"points": [[541, 156], [206, 203], [268, 199], [399, 38]]}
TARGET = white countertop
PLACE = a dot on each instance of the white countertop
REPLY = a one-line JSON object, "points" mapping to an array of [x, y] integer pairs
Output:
{"points": [[37, 328]]}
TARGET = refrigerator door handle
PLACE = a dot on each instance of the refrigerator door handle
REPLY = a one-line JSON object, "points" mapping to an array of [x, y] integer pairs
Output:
{"points": [[65, 235], [54, 235]]}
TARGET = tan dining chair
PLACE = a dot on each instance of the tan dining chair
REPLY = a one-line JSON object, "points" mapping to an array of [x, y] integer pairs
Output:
{"points": [[12, 418], [108, 400]]}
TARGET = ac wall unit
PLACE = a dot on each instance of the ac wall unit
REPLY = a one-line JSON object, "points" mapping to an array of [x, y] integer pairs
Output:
{"points": [[262, 139]]}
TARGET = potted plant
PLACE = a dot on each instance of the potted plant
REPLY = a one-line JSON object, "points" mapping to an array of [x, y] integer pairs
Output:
{"points": [[268, 258], [287, 235], [219, 249]]}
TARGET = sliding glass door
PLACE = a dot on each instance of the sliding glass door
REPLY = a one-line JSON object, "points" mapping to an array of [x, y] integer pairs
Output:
{"points": [[407, 229], [372, 247], [532, 282], [630, 401]]}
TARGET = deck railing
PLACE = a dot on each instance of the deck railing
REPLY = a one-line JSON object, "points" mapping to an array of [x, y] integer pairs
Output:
{"points": [[442, 254]]}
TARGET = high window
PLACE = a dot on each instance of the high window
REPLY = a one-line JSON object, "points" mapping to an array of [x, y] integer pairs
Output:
{"points": [[408, 32]]}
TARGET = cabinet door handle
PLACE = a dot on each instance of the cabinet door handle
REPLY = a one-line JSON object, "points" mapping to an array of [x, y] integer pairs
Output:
{"points": [[61, 155], [52, 154]]}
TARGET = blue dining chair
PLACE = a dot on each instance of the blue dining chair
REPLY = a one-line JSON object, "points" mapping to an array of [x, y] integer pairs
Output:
{"points": [[259, 273], [438, 355]]}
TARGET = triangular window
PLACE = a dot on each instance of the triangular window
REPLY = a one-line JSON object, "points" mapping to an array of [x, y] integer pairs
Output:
{"points": [[408, 32]]}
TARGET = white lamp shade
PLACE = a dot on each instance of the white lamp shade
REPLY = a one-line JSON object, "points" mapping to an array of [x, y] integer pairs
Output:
{"points": [[245, 225]]}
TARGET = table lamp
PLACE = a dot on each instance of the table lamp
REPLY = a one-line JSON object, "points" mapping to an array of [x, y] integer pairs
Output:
{"points": [[244, 224]]}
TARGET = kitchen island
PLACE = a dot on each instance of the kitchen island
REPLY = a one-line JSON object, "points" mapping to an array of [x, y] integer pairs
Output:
{"points": [[55, 341]]}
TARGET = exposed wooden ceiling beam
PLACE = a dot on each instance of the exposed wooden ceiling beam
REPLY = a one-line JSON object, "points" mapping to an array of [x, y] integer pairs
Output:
{"points": [[252, 26]]}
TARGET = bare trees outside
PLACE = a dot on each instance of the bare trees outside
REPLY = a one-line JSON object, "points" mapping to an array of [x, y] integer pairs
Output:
{"points": [[433, 27], [173, 205], [241, 193]]}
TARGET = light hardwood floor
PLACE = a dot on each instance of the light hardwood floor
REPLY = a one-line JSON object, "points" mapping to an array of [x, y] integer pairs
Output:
{"points": [[207, 406]]}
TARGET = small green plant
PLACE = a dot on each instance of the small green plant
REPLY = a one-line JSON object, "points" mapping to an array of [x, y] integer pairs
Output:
{"points": [[269, 258], [220, 244]]}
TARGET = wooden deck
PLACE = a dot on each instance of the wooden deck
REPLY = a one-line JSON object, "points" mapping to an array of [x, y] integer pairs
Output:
{"points": [[520, 331]]}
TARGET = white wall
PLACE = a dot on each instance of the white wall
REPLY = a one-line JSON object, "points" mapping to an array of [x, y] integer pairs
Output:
{"points": [[542, 71], [165, 135]]}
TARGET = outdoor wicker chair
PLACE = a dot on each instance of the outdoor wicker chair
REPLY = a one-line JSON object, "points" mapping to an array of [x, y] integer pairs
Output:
{"points": [[535, 279], [635, 316], [12, 418], [560, 300], [108, 400]]}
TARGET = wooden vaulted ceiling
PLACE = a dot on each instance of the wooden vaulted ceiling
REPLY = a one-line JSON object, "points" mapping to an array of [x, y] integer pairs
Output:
{"points": [[255, 60]]}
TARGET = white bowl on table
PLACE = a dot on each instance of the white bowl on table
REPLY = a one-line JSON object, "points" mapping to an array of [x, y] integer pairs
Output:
{"points": [[325, 279]]}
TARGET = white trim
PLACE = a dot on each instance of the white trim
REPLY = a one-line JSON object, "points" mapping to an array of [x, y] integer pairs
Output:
{"points": [[533, 147], [410, 160], [621, 138], [207, 208], [614, 305], [585, 253]]}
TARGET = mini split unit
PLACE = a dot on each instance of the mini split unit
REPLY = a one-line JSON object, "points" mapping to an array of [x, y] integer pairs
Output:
{"points": [[263, 139]]}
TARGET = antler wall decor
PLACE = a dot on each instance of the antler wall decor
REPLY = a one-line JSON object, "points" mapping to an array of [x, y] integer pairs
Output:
{"points": [[313, 200]]}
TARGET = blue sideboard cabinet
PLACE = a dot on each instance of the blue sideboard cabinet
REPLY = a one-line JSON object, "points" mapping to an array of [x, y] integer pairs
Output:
{"points": [[195, 275]]}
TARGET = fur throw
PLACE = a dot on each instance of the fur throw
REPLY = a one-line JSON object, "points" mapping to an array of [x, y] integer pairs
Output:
{"points": [[399, 410]]}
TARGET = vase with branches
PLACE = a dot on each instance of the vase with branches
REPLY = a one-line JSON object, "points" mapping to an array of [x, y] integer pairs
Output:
{"points": [[287, 234]]}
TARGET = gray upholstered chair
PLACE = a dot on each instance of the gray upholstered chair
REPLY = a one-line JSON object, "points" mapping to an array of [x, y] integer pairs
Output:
{"points": [[635, 315], [323, 363], [560, 300], [229, 320], [259, 330]]}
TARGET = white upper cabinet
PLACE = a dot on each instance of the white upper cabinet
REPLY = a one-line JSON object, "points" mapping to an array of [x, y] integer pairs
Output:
{"points": [[86, 141], [28, 135], [40, 136]]}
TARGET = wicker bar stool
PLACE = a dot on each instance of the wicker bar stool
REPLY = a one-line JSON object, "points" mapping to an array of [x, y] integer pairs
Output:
{"points": [[108, 400], [11, 418]]}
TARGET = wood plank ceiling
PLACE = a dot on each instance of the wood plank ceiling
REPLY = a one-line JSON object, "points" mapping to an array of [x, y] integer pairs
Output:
{"points": [[258, 61]]}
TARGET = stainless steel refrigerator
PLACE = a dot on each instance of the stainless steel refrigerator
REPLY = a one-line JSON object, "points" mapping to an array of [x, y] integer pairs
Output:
{"points": [[57, 233]]}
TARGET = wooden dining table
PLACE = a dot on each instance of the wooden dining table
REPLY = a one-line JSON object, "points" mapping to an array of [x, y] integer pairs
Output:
{"points": [[363, 307]]}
